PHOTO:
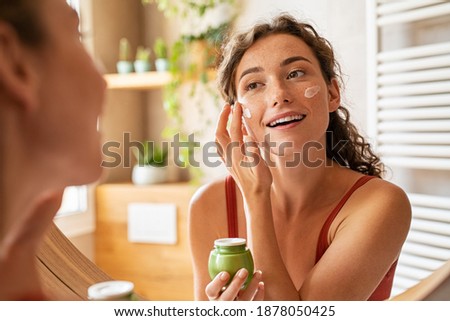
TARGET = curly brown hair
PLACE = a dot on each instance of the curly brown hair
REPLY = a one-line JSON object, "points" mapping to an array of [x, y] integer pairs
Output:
{"points": [[354, 152]]}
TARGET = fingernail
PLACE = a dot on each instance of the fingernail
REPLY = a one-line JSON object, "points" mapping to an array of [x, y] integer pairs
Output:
{"points": [[242, 273], [223, 276]]}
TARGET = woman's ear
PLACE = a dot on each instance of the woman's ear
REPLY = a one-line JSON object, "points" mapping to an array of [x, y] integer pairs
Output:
{"points": [[17, 74], [334, 95]]}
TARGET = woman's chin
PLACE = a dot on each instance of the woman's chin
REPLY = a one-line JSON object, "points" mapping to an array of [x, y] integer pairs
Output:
{"points": [[87, 171], [87, 177], [94, 170], [95, 174]]}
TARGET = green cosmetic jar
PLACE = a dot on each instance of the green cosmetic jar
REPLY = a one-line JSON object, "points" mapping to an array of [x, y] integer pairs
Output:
{"points": [[231, 255]]}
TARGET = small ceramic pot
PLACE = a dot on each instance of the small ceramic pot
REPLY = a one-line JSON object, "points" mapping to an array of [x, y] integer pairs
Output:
{"points": [[146, 175], [141, 66], [124, 67], [162, 64]]}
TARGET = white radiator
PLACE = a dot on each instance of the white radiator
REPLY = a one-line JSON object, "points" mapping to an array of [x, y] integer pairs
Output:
{"points": [[428, 243], [409, 122]]}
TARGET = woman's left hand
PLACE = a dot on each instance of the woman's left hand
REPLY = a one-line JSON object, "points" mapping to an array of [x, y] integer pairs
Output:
{"points": [[234, 292]]}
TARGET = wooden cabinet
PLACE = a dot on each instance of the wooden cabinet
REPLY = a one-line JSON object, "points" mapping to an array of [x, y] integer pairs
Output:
{"points": [[159, 272]]}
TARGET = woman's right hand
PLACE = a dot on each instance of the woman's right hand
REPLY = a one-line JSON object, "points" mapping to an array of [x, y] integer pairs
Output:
{"points": [[233, 292], [242, 157]]}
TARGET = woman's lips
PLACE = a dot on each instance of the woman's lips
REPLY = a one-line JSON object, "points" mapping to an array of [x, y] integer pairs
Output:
{"points": [[285, 121]]}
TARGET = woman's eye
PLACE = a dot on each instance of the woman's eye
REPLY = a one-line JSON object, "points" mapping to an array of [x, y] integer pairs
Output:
{"points": [[295, 74], [252, 86]]}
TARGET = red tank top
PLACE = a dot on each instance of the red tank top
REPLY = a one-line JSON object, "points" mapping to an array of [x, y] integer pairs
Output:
{"points": [[383, 290]]}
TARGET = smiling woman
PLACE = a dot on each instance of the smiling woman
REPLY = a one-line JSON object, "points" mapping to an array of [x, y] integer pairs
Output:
{"points": [[46, 77], [320, 221]]}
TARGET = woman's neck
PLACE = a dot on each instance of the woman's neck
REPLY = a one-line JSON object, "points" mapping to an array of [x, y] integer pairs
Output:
{"points": [[23, 181], [28, 205], [300, 187], [26, 179]]}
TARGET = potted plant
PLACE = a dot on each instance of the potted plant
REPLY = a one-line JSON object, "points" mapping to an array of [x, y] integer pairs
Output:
{"points": [[142, 62], [191, 57], [160, 50], [124, 65], [151, 166]]}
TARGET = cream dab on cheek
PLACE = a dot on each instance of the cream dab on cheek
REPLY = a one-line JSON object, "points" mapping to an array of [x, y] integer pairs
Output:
{"points": [[310, 92], [247, 113]]}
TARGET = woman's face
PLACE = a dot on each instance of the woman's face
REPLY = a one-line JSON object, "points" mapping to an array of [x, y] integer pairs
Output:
{"points": [[283, 93], [71, 95]]}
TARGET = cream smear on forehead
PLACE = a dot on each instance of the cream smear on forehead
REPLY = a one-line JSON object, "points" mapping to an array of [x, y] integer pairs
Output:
{"points": [[310, 92]]}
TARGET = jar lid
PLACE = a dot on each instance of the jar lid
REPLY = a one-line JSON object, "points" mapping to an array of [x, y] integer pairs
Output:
{"points": [[110, 290], [232, 241]]}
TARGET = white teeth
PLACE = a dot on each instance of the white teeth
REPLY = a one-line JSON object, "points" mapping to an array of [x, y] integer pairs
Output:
{"points": [[286, 119]]}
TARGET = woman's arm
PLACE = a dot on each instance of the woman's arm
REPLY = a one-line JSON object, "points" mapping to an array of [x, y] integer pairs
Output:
{"points": [[202, 232], [266, 253], [207, 222], [365, 240], [255, 184]]}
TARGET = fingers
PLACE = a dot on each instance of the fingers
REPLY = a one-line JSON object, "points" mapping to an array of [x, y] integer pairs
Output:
{"points": [[253, 289], [251, 149], [232, 291], [236, 124], [222, 136], [229, 141], [248, 130], [214, 288], [259, 296], [221, 128]]}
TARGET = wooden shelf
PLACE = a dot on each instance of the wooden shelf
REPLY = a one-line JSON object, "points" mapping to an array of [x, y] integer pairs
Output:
{"points": [[148, 80], [138, 81]]}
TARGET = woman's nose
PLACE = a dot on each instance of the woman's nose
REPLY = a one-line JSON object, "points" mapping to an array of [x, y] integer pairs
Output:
{"points": [[280, 94]]}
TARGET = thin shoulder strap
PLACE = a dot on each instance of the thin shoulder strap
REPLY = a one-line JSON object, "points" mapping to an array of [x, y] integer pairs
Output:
{"points": [[322, 244], [230, 192]]}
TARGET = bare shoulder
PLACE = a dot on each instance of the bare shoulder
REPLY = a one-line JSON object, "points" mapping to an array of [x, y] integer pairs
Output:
{"points": [[207, 209], [383, 200], [209, 196], [371, 228], [387, 194]]}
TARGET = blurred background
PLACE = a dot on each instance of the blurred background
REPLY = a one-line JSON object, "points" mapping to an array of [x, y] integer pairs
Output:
{"points": [[395, 58]]}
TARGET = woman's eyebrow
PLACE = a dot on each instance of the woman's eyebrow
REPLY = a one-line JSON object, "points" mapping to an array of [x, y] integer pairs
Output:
{"points": [[290, 60], [250, 70], [285, 62]]}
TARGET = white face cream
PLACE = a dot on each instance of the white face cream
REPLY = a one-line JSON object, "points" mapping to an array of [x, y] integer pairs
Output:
{"points": [[310, 92], [247, 113]]}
